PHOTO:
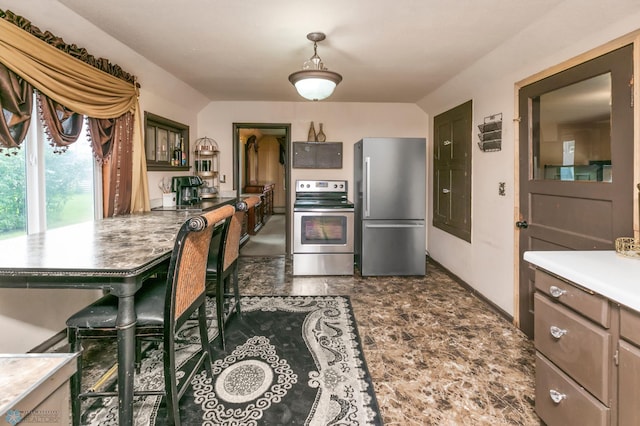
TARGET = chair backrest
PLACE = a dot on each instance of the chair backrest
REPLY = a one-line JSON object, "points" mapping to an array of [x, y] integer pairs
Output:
{"points": [[232, 247], [188, 264]]}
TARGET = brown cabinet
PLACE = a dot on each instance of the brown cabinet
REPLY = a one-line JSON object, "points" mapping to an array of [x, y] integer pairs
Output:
{"points": [[255, 218], [577, 346], [587, 356], [263, 212], [629, 368]]}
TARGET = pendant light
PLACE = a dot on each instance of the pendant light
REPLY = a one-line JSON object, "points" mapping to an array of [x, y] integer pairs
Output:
{"points": [[314, 81]]}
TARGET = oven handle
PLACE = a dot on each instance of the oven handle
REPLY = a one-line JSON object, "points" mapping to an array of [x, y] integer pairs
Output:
{"points": [[367, 189], [396, 225], [321, 210]]}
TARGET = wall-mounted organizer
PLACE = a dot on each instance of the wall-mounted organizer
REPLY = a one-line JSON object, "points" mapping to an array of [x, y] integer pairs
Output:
{"points": [[317, 155], [491, 133]]}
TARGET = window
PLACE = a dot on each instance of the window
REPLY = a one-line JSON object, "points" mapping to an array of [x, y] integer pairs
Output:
{"points": [[452, 171], [166, 143], [41, 189], [574, 138]]}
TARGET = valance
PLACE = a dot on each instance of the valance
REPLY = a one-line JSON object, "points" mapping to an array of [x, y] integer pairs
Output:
{"points": [[68, 81], [69, 88]]}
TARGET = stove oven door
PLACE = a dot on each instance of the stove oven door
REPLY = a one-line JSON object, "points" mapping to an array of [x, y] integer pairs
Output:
{"points": [[323, 231]]}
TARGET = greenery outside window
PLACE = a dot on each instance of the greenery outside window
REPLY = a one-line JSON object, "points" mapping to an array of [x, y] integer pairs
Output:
{"points": [[166, 143], [42, 189]]}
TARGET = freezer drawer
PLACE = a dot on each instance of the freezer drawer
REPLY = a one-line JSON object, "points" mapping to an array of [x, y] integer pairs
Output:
{"points": [[393, 248]]}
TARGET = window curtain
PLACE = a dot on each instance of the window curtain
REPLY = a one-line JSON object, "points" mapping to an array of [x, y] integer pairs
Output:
{"points": [[16, 101], [109, 101]]}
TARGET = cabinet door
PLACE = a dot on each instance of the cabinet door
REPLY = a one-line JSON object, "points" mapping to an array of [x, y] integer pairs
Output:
{"points": [[629, 385], [452, 171]]}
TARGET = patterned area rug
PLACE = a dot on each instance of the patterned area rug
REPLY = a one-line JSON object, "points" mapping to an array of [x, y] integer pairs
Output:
{"points": [[288, 361]]}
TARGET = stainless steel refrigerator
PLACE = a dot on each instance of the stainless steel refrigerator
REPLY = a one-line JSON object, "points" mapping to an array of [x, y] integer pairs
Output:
{"points": [[390, 206]]}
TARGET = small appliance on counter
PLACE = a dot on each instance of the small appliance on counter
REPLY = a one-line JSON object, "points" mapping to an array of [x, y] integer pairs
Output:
{"points": [[186, 189]]}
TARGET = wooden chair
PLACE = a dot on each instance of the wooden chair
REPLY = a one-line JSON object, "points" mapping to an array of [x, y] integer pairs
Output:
{"points": [[222, 268], [162, 307]]}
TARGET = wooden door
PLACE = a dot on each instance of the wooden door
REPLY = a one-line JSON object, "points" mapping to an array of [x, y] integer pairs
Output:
{"points": [[576, 163]]}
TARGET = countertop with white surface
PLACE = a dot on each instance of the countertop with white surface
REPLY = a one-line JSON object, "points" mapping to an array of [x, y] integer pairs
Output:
{"points": [[607, 273], [21, 374]]}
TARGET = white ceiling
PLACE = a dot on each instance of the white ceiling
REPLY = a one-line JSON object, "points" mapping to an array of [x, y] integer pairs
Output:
{"points": [[386, 50]]}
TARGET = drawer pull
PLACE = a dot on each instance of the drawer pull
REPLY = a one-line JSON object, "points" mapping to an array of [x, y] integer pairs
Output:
{"points": [[556, 396], [556, 291], [557, 332]]}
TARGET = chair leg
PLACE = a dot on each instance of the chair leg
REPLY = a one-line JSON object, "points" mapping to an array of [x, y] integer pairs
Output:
{"points": [[170, 381], [236, 289], [76, 379], [204, 339], [220, 308]]}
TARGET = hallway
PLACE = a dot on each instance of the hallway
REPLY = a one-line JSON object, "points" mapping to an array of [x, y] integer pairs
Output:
{"points": [[269, 241]]}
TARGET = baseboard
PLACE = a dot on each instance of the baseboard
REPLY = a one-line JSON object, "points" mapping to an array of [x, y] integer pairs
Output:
{"points": [[473, 291]]}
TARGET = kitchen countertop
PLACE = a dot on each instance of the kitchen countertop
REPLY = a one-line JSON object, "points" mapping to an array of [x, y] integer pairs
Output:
{"points": [[207, 204], [604, 272], [21, 374]]}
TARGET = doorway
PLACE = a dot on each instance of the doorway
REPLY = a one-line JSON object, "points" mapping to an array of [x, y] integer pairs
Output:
{"points": [[261, 155], [576, 163]]}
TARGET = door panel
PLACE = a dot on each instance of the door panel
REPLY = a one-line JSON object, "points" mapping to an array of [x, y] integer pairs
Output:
{"points": [[576, 163], [590, 223], [395, 175], [393, 247], [452, 171]]}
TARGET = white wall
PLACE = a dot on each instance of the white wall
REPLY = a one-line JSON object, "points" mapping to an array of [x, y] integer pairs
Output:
{"points": [[343, 122], [487, 264], [28, 317]]}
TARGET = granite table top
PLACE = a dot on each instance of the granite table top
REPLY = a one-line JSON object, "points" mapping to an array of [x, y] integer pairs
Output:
{"points": [[114, 245], [119, 246]]}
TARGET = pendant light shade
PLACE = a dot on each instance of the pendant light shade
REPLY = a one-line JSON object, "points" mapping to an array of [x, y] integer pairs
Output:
{"points": [[314, 81]]}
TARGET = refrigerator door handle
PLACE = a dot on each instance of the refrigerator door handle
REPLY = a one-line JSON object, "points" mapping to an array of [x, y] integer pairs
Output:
{"points": [[395, 225], [367, 187]]}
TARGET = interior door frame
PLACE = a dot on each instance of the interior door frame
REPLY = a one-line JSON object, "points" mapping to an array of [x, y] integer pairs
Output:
{"points": [[631, 38], [286, 127]]}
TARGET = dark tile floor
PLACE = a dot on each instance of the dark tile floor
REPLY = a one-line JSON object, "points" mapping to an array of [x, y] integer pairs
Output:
{"points": [[437, 354]]}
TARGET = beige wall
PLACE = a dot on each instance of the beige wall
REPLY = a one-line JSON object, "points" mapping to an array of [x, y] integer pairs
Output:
{"points": [[488, 262], [28, 317]]}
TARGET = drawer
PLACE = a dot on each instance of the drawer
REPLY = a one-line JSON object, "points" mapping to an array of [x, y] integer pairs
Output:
{"points": [[577, 407], [629, 385], [582, 350], [630, 325], [592, 306]]}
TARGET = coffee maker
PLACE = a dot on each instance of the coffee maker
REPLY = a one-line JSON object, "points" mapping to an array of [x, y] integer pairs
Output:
{"points": [[186, 189]]}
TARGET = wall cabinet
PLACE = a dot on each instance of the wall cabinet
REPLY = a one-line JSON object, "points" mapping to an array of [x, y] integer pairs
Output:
{"points": [[452, 171], [166, 144]]}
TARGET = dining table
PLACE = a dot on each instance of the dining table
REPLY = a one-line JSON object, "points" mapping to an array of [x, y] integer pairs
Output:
{"points": [[114, 254]]}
